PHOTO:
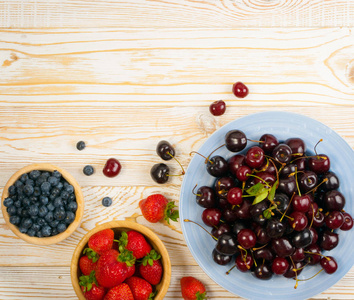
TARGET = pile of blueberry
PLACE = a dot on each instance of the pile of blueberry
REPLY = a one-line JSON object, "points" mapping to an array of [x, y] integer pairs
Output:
{"points": [[41, 203]]}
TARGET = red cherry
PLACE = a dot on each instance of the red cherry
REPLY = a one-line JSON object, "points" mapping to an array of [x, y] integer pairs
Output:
{"points": [[112, 167], [217, 108], [240, 90]]}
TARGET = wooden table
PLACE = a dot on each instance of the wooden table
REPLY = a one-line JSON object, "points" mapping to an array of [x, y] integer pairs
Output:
{"points": [[122, 75]]}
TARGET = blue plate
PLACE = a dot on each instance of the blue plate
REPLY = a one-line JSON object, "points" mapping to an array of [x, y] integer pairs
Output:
{"points": [[283, 125]]}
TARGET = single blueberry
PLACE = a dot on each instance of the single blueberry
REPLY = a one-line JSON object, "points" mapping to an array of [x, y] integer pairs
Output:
{"points": [[40, 180], [44, 200], [11, 210], [12, 190], [29, 182], [70, 217], [45, 174], [8, 202], [37, 191], [26, 223], [45, 187], [41, 222], [43, 210], [36, 227], [15, 220], [21, 197], [58, 202], [57, 174], [55, 191], [72, 197], [24, 177], [34, 174], [22, 229], [54, 223], [106, 201], [33, 199], [19, 211], [59, 214], [24, 212], [60, 185], [31, 232], [65, 183], [53, 180], [61, 227], [55, 231], [49, 217], [69, 189], [50, 206], [26, 202], [33, 210], [18, 184], [72, 206], [80, 145], [39, 234], [46, 230], [64, 195], [52, 197], [28, 189], [88, 170]]}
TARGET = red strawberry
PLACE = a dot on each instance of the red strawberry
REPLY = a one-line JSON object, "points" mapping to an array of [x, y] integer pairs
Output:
{"points": [[151, 268], [134, 241], [131, 271], [192, 289], [101, 241], [112, 267], [90, 287], [119, 292], [140, 288], [87, 263], [156, 207]]}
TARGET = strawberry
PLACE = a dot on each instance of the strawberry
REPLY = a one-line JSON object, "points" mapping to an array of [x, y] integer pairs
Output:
{"points": [[90, 287], [87, 263], [134, 241], [156, 207], [151, 268], [192, 289], [131, 271], [141, 289], [119, 292], [101, 241], [112, 267]]}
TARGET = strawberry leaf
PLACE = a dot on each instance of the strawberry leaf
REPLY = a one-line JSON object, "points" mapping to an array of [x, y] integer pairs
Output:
{"points": [[200, 296], [123, 241], [152, 295], [91, 254], [87, 281], [260, 197], [127, 257], [255, 189], [170, 213], [149, 259]]}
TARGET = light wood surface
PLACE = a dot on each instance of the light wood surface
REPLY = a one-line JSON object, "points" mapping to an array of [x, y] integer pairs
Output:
{"points": [[122, 75]]}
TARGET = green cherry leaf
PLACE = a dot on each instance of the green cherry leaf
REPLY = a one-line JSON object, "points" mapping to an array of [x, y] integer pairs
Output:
{"points": [[256, 189], [260, 197], [272, 191], [267, 214]]}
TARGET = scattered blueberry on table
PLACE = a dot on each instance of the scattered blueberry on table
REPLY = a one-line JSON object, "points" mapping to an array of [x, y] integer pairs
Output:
{"points": [[80, 145], [88, 170], [106, 201]]}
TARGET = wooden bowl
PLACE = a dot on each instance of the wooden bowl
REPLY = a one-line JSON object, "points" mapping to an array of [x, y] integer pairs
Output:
{"points": [[78, 214], [117, 227]]}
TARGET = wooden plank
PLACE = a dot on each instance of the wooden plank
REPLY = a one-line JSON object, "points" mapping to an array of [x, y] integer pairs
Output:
{"points": [[183, 13], [182, 67], [20, 283], [130, 134]]}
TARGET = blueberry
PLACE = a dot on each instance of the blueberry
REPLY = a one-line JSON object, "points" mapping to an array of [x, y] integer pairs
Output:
{"points": [[22, 229], [44, 200], [45, 187], [24, 212], [60, 185], [11, 210], [26, 223], [12, 190], [49, 217], [52, 197], [20, 197], [24, 177], [43, 210], [36, 227], [72, 197], [56, 174], [50, 206], [69, 189], [55, 191], [61, 227], [33, 199], [45, 174], [70, 217], [40, 180], [64, 195], [33, 210], [20, 191], [29, 182], [55, 231], [8, 202], [15, 220], [19, 211], [31, 232], [18, 184], [54, 223], [46, 230], [106, 201], [34, 174], [39, 234], [28, 189], [59, 214], [37, 191], [26, 202], [41, 222], [88, 170], [80, 145], [72, 206], [53, 180], [65, 183], [58, 202]]}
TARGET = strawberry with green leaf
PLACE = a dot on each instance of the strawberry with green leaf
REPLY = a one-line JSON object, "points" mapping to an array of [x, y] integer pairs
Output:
{"points": [[101, 241], [90, 287], [156, 207], [141, 289], [88, 262], [134, 241], [150, 268], [192, 289]]}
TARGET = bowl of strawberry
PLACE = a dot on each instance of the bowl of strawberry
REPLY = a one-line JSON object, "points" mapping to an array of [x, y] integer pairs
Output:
{"points": [[266, 206], [120, 260]]}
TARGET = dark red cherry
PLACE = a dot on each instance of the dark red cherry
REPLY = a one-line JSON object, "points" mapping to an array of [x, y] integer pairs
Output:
{"points": [[282, 247], [240, 90], [262, 236], [280, 265], [219, 230], [301, 203], [268, 167], [307, 181], [267, 177], [287, 170], [296, 145], [328, 240], [243, 211], [206, 197], [298, 255], [301, 163], [223, 203], [211, 216], [282, 201], [243, 172], [165, 150], [264, 253], [234, 196], [302, 238], [235, 140], [221, 259], [217, 108], [334, 219], [287, 186], [319, 164], [263, 271], [275, 228], [298, 221], [334, 200], [112, 167], [217, 166], [239, 225], [246, 238], [159, 173], [244, 262], [269, 142], [229, 215], [318, 219], [314, 235], [235, 162], [282, 154], [298, 266], [227, 244], [223, 185], [332, 182], [312, 254], [348, 222], [254, 157], [329, 264]]}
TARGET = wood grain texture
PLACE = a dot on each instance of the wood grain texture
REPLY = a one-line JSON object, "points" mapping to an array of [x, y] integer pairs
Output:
{"points": [[54, 283], [182, 13], [182, 67]]}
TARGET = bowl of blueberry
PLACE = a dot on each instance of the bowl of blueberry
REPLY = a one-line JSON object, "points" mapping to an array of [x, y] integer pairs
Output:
{"points": [[265, 206], [42, 204]]}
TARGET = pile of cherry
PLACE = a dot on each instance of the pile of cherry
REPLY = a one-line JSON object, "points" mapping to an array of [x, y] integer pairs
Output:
{"points": [[273, 209]]}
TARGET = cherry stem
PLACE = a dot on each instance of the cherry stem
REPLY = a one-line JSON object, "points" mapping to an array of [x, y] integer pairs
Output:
{"points": [[215, 150], [177, 161], [313, 215], [321, 140], [294, 269], [276, 170], [255, 141], [271, 158], [187, 220], [297, 183], [194, 192], [315, 253], [265, 182], [265, 245], [284, 214], [255, 263], [315, 188], [311, 276], [228, 272], [264, 168], [206, 159]]}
